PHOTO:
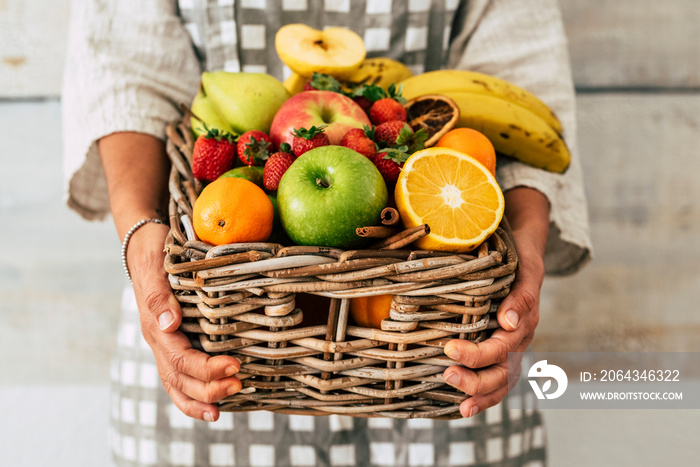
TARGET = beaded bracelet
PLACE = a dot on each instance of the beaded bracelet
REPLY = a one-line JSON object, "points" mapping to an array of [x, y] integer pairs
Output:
{"points": [[127, 237]]}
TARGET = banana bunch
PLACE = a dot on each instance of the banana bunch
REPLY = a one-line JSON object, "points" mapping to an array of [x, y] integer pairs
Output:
{"points": [[518, 123], [381, 71]]}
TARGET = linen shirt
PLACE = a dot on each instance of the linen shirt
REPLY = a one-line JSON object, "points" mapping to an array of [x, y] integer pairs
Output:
{"points": [[130, 64]]}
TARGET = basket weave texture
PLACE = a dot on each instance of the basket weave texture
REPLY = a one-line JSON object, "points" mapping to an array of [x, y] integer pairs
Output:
{"points": [[241, 300]]}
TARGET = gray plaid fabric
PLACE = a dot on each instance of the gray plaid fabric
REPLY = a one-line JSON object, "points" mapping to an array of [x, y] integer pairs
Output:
{"points": [[239, 35], [147, 428]]}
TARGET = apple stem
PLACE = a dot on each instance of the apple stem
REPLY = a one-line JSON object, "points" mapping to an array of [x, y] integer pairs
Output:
{"points": [[322, 183]]}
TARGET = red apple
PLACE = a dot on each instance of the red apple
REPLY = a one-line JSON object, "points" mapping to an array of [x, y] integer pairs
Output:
{"points": [[315, 108]]}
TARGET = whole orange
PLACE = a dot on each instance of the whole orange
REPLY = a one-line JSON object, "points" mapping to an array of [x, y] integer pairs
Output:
{"points": [[370, 311], [232, 210], [473, 143]]}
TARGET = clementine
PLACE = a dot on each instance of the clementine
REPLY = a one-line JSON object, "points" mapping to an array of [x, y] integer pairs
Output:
{"points": [[370, 311], [232, 210], [473, 143]]}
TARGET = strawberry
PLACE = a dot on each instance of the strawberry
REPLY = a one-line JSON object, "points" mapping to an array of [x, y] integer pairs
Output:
{"points": [[390, 107], [213, 154], [254, 147], [322, 82], [361, 140], [386, 110], [389, 163], [276, 165], [398, 134], [398, 141], [367, 94], [305, 140], [364, 103], [387, 133]]}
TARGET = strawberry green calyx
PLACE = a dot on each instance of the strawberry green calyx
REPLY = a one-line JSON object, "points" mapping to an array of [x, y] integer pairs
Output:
{"points": [[395, 93], [369, 131], [413, 141], [258, 150], [323, 82], [286, 147], [308, 134], [215, 133], [397, 154], [371, 92]]}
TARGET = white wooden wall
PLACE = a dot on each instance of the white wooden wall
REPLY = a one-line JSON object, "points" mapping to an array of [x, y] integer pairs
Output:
{"points": [[637, 68]]}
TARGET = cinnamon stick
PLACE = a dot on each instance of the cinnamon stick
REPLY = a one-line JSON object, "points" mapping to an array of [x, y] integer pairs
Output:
{"points": [[390, 216], [402, 238], [376, 231]]}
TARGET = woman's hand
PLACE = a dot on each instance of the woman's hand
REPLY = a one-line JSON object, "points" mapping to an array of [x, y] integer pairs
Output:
{"points": [[193, 379], [484, 375], [136, 168]]}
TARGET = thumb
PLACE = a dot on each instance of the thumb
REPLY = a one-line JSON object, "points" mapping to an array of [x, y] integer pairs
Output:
{"points": [[164, 308], [522, 301], [157, 304]]}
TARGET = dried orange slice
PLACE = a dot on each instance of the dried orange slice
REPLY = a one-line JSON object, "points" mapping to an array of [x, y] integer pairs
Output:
{"points": [[435, 113], [454, 194]]}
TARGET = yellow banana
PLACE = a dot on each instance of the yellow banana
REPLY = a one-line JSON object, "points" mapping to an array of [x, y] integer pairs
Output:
{"points": [[514, 130], [447, 81], [381, 71], [295, 83]]}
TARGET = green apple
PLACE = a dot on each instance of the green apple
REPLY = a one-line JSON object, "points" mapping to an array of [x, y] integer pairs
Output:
{"points": [[242, 101], [251, 173], [327, 193]]}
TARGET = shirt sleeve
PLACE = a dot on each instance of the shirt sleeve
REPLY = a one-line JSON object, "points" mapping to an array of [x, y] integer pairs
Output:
{"points": [[129, 65], [525, 43]]}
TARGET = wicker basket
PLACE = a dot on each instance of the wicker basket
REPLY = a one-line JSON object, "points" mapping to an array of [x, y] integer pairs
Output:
{"points": [[240, 300]]}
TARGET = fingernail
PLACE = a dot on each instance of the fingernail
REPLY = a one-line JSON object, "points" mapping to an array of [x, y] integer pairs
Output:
{"points": [[473, 411], [452, 379], [512, 318], [233, 389], [452, 352], [165, 319], [231, 370], [208, 417]]}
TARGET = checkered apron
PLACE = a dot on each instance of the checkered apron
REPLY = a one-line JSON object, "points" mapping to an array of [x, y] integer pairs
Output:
{"points": [[146, 427]]}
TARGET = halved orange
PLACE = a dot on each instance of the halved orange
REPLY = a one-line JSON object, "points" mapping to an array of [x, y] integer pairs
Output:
{"points": [[434, 113], [454, 194]]}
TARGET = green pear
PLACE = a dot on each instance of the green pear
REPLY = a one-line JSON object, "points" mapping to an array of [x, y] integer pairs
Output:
{"points": [[244, 101], [204, 112]]}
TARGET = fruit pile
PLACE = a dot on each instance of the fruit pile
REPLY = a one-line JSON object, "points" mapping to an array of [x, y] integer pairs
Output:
{"points": [[313, 160]]}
